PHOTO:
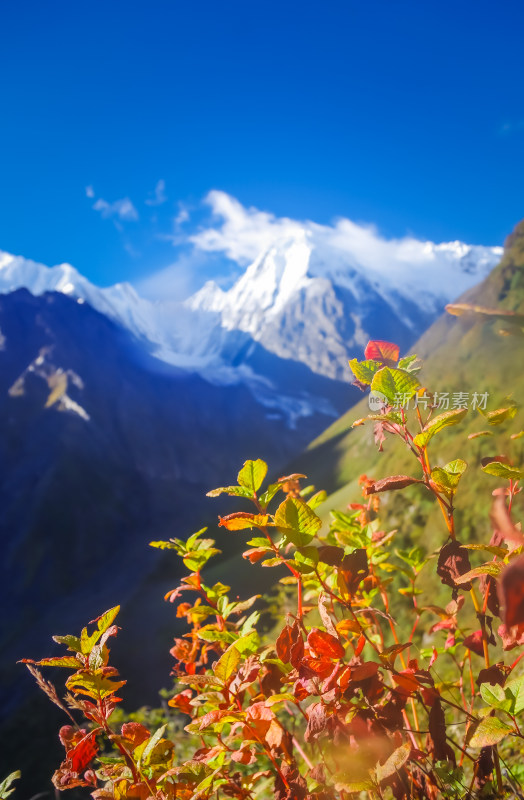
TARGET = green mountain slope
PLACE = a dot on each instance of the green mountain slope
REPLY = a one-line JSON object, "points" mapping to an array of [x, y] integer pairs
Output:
{"points": [[459, 354]]}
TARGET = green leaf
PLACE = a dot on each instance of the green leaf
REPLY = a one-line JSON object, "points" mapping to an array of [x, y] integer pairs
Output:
{"points": [[438, 423], [156, 750], [393, 383], [227, 663], [345, 782], [317, 499], [307, 555], [5, 785], [390, 416], [248, 643], [493, 568], [72, 642], [297, 521], [409, 363], [267, 496], [456, 467], [501, 415], [107, 619], [500, 552], [284, 697], [87, 642], [252, 475], [501, 470], [196, 559], [448, 477], [94, 685], [515, 692], [259, 541], [212, 634], [488, 732], [250, 623], [494, 696], [202, 611], [364, 370], [63, 661], [233, 491], [195, 539], [160, 545]]}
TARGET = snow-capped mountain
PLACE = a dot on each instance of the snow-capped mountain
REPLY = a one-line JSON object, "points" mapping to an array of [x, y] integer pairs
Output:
{"points": [[120, 302], [304, 299]]}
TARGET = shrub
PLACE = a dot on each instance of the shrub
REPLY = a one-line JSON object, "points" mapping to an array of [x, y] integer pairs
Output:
{"points": [[346, 697]]}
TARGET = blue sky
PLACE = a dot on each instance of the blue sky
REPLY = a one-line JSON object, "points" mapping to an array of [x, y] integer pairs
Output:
{"points": [[407, 114]]}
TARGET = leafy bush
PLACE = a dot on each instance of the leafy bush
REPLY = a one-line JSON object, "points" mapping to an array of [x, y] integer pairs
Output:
{"points": [[360, 690]]}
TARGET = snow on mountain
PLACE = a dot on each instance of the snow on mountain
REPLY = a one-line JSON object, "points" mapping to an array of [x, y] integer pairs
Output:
{"points": [[308, 300], [309, 297], [120, 302]]}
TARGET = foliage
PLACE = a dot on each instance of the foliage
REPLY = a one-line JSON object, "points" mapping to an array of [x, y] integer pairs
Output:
{"points": [[348, 697]]}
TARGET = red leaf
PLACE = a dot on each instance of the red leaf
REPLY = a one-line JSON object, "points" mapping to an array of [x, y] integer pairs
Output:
{"points": [[354, 569], [406, 682], [364, 671], [182, 702], [137, 733], [316, 721], [511, 637], [453, 561], [324, 644], [283, 644], [83, 753], [331, 554], [390, 484], [385, 352], [511, 592], [474, 642], [315, 667], [437, 732], [290, 645], [360, 644], [493, 675], [502, 521], [255, 554]]}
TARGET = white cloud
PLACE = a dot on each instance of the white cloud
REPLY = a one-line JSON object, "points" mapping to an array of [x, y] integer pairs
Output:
{"points": [[243, 233], [172, 283], [121, 209], [159, 195], [182, 216], [90, 192]]}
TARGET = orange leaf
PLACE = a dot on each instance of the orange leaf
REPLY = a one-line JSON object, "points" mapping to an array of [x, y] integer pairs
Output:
{"points": [[324, 644], [242, 519], [385, 352]]}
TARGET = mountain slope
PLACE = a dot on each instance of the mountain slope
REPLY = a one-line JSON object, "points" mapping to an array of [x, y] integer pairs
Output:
{"points": [[459, 355], [103, 449]]}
